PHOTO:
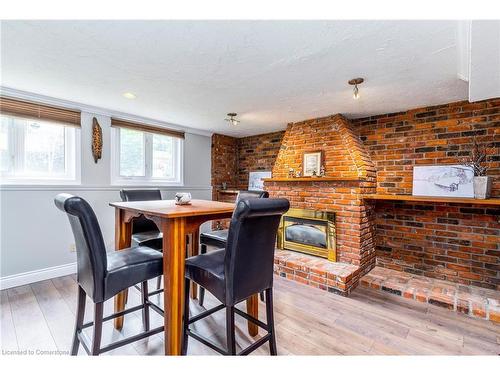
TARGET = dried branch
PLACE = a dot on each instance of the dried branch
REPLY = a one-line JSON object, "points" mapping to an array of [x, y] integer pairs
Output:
{"points": [[476, 158]]}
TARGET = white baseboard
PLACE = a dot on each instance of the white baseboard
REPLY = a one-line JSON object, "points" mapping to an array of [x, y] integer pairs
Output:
{"points": [[37, 275]]}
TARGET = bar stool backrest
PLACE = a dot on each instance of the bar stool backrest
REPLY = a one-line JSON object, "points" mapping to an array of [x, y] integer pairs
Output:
{"points": [[249, 258], [91, 256]]}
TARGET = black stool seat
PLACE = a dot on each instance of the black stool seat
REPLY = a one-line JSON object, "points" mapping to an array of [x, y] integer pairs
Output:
{"points": [[144, 231], [102, 275], [129, 267], [208, 270], [217, 238], [152, 238], [240, 270]]}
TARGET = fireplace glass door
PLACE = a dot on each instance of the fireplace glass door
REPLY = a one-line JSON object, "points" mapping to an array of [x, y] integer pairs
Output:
{"points": [[307, 233]]}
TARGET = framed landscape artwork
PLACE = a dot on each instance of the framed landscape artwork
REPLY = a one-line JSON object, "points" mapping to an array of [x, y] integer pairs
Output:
{"points": [[443, 181], [255, 180], [312, 163]]}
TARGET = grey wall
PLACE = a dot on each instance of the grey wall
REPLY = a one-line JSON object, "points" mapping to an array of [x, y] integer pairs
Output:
{"points": [[35, 235]]}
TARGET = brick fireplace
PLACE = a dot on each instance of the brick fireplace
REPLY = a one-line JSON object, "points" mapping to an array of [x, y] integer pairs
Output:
{"points": [[422, 251], [351, 174]]}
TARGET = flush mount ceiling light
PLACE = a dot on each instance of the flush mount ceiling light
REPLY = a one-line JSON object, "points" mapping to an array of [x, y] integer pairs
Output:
{"points": [[231, 119], [355, 82], [129, 95]]}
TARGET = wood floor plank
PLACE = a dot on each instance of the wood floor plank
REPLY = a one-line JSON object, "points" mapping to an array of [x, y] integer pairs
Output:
{"points": [[67, 288], [31, 327], [58, 316], [7, 329], [308, 321]]}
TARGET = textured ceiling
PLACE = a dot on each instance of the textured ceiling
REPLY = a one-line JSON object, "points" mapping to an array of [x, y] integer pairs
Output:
{"points": [[192, 73]]}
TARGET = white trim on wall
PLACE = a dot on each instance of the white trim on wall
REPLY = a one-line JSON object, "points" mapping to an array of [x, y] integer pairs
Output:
{"points": [[19, 94], [29, 277]]}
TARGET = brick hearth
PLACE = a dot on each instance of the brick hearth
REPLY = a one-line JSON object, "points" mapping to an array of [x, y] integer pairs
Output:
{"points": [[334, 277], [470, 300]]}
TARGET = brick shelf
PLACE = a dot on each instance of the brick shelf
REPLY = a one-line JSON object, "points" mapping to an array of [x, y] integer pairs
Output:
{"points": [[476, 302], [416, 198]]}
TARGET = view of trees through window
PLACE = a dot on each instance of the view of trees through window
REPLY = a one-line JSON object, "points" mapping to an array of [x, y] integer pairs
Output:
{"points": [[163, 150], [35, 149], [132, 157], [144, 155]]}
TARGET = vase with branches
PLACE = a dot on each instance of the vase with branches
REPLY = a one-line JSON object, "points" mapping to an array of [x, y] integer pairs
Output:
{"points": [[476, 160]]}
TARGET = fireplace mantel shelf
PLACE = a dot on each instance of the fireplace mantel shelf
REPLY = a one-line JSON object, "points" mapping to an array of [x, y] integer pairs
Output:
{"points": [[414, 198], [311, 179]]}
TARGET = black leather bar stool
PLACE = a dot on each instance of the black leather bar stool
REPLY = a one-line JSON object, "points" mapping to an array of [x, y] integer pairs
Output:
{"points": [[218, 238], [242, 269], [101, 276], [144, 231]]}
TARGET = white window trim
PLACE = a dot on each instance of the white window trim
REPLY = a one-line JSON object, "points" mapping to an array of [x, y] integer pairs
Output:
{"points": [[49, 180], [117, 180]]}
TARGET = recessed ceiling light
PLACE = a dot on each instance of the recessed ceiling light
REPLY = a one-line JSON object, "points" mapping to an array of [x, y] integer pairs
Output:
{"points": [[129, 95]]}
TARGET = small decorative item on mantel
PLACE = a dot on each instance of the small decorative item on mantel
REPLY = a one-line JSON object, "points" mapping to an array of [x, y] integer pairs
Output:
{"points": [[297, 174], [322, 171], [476, 160], [96, 140], [224, 185], [291, 173]]}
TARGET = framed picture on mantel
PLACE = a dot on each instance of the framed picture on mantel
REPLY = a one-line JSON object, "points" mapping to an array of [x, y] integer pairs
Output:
{"points": [[311, 163]]}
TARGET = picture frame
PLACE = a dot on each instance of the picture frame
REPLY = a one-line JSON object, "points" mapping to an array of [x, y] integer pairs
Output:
{"points": [[443, 181], [255, 180], [312, 161]]}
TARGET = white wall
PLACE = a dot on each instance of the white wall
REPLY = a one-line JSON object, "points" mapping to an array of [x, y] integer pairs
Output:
{"points": [[36, 237]]}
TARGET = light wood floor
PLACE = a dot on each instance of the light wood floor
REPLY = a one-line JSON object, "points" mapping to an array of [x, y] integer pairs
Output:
{"points": [[309, 321]]}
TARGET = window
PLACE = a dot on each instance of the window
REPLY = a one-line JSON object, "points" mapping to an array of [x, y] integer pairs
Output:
{"points": [[142, 157], [38, 151]]}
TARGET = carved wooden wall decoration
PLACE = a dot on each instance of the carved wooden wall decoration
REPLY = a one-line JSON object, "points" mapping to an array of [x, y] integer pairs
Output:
{"points": [[96, 140]]}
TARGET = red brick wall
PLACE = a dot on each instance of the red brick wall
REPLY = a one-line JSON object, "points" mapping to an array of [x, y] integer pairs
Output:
{"points": [[344, 154], [431, 135], [257, 153], [224, 161], [460, 243]]}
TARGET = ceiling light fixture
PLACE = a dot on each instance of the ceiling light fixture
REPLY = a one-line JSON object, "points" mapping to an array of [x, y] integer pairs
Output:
{"points": [[355, 82], [231, 119], [129, 95]]}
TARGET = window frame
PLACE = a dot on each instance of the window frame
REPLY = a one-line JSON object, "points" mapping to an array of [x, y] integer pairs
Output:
{"points": [[16, 143], [148, 179]]}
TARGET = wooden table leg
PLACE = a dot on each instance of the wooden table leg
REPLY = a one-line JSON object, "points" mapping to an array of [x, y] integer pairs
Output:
{"points": [[253, 310], [174, 247], [195, 250], [123, 233]]}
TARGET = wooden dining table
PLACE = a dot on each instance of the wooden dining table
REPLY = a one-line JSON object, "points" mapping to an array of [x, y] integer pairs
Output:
{"points": [[178, 223]]}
